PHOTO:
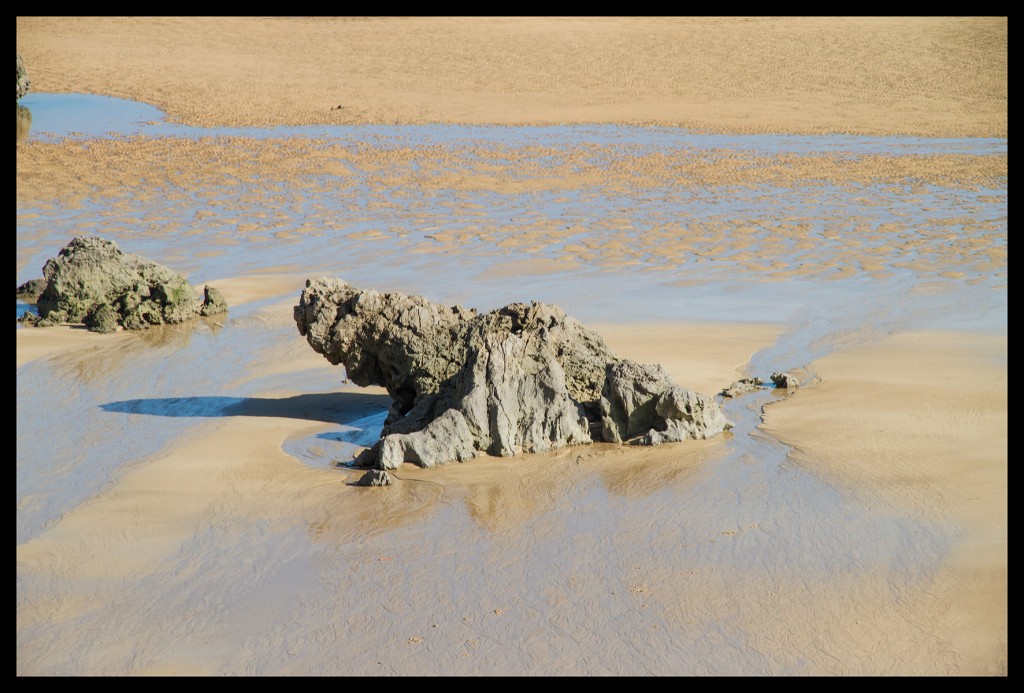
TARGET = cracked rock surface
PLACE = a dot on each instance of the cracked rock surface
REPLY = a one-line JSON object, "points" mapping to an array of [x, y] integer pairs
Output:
{"points": [[92, 281], [523, 378]]}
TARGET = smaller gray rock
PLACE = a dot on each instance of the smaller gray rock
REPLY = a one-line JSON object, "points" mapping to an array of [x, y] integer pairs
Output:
{"points": [[375, 477], [213, 302], [641, 404], [742, 387], [628, 399], [785, 381], [91, 271], [683, 414]]}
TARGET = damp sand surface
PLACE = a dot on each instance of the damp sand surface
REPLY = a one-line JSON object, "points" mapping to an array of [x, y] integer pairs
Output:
{"points": [[179, 493], [584, 561]]}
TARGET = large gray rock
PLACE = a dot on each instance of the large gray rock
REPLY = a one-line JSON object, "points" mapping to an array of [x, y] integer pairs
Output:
{"points": [[523, 378], [91, 272], [23, 81]]}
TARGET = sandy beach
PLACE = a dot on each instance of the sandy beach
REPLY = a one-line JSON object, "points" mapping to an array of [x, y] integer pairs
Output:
{"points": [[726, 197]]}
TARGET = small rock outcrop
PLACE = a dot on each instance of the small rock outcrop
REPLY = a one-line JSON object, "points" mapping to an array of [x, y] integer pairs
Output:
{"points": [[639, 400], [91, 281], [23, 81], [29, 291], [213, 302], [375, 477], [785, 381], [742, 387], [523, 378]]}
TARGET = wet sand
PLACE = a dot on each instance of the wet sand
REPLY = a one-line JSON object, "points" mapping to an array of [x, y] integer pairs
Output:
{"points": [[943, 449], [167, 525]]}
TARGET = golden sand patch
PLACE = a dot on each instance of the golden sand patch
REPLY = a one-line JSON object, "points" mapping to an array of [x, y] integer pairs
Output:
{"points": [[868, 75]]}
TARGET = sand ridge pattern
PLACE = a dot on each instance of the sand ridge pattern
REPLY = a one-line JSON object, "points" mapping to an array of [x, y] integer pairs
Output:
{"points": [[369, 194]]}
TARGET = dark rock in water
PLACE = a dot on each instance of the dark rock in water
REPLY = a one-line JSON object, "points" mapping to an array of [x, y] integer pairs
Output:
{"points": [[785, 381], [523, 378], [742, 387], [91, 272], [23, 81], [103, 319], [29, 291], [213, 302], [375, 477]]}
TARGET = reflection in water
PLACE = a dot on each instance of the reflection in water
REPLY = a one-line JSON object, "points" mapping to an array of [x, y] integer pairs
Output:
{"points": [[24, 122], [518, 491], [364, 517], [506, 494], [110, 357], [22, 308], [180, 335], [637, 472]]}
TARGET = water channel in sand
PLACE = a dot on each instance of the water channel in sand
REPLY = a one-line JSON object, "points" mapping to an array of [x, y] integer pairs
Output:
{"points": [[118, 404]]}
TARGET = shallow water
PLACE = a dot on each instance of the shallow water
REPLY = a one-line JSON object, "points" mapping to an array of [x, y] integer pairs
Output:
{"points": [[87, 116], [405, 259], [85, 419], [467, 246], [22, 308]]}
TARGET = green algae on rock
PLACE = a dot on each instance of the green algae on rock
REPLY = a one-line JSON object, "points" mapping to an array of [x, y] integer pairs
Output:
{"points": [[92, 281]]}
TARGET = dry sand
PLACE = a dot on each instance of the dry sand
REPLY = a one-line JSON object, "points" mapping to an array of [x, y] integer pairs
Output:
{"points": [[892, 75], [875, 545]]}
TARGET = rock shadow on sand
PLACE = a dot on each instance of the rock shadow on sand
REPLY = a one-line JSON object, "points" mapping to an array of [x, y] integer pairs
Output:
{"points": [[329, 407]]}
